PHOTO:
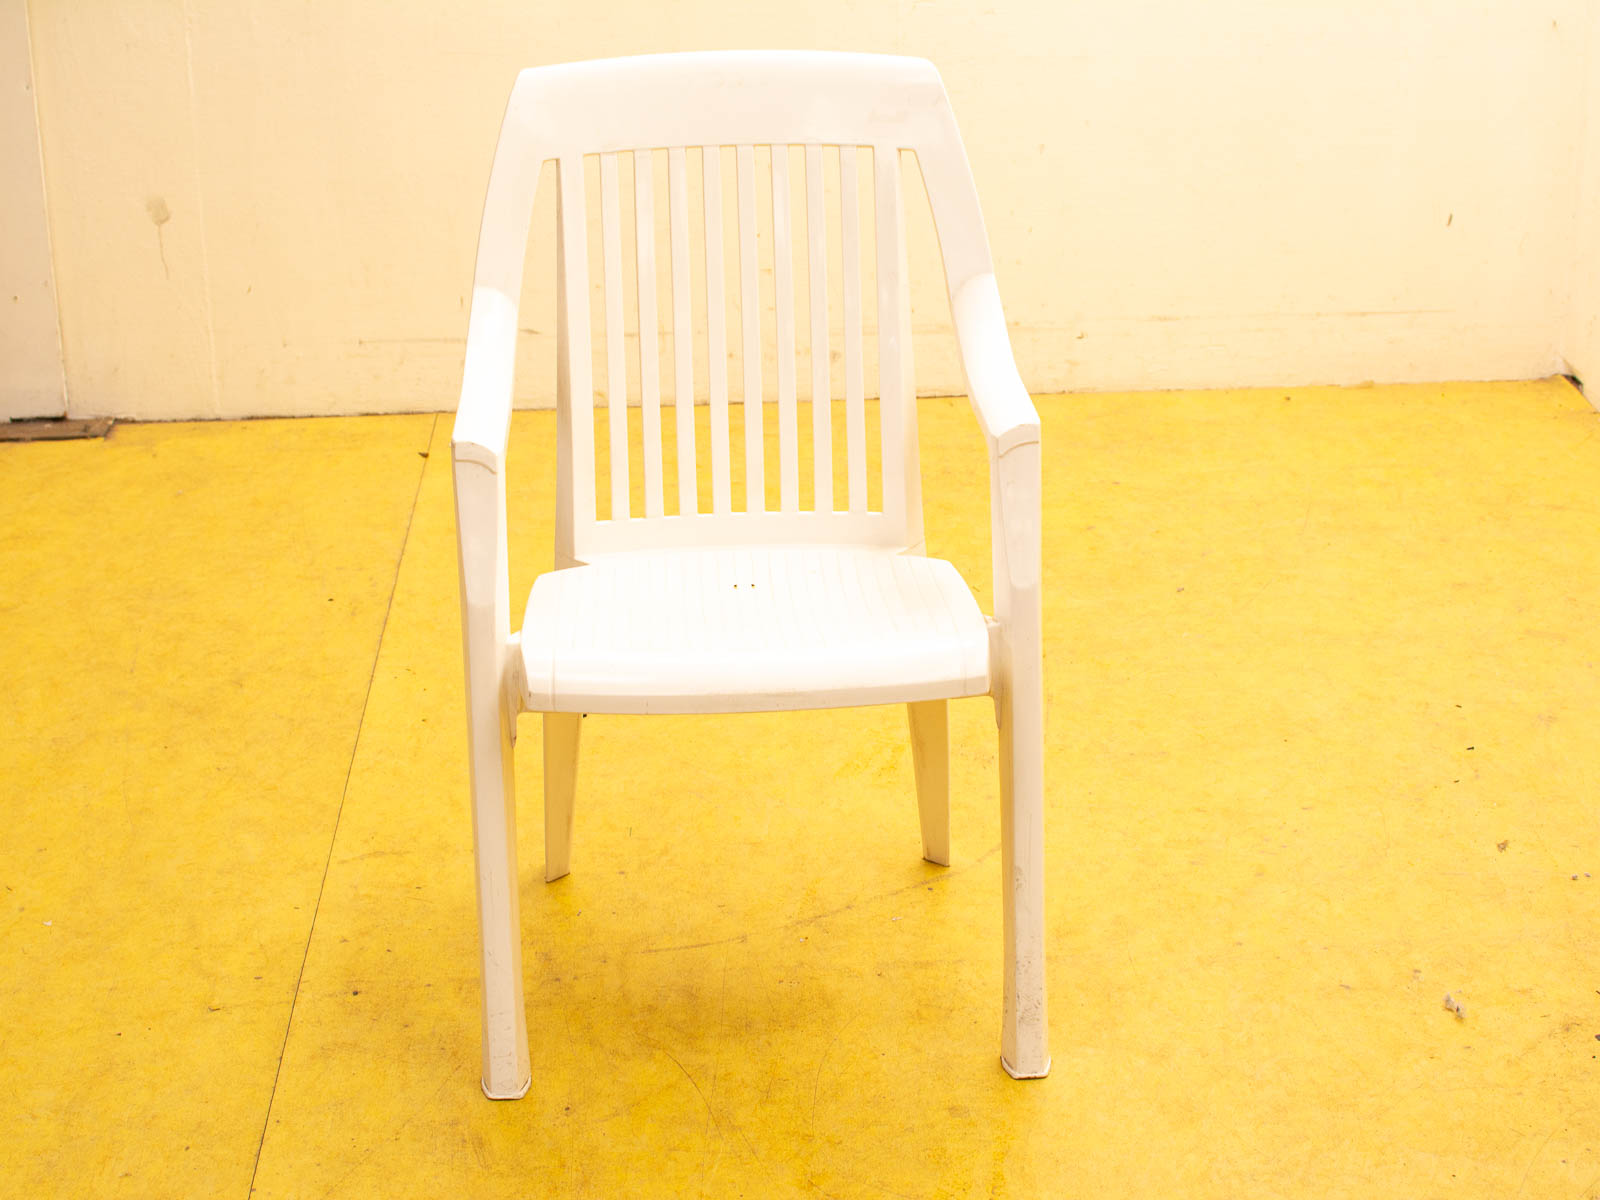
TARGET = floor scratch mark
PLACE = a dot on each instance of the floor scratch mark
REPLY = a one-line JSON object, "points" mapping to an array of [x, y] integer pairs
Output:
{"points": [[1528, 1170]]}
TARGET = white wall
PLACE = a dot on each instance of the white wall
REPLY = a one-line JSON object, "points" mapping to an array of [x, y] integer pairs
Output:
{"points": [[31, 379], [1581, 332], [1258, 193], [272, 208]]}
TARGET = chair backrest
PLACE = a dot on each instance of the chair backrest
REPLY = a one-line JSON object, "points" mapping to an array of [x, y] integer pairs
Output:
{"points": [[687, 107]]}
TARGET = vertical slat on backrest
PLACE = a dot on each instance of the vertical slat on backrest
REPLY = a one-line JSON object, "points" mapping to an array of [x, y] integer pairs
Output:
{"points": [[755, 499], [574, 372], [644, 245], [855, 405], [682, 326], [896, 400], [616, 364], [716, 331], [821, 390], [783, 296]]}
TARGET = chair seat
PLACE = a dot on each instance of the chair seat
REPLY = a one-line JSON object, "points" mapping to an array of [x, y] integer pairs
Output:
{"points": [[751, 629]]}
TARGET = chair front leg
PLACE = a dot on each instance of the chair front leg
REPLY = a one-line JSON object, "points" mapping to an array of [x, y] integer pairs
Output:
{"points": [[486, 643], [1024, 1037], [1019, 701], [506, 1073]]}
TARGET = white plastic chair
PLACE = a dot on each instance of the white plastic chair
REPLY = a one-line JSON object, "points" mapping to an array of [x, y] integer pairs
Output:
{"points": [[753, 610]]}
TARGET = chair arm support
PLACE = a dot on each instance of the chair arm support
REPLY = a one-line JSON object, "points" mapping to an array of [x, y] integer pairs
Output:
{"points": [[1010, 424], [1003, 407], [1015, 517], [1017, 639], [480, 495], [478, 455]]}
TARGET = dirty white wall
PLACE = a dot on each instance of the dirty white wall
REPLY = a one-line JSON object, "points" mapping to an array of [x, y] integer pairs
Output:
{"points": [[271, 207]]}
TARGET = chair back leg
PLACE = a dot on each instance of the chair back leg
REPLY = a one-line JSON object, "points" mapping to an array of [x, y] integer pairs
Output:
{"points": [[560, 789], [930, 760]]}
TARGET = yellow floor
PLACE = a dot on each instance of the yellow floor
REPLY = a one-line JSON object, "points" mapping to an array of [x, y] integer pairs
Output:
{"points": [[1324, 746]]}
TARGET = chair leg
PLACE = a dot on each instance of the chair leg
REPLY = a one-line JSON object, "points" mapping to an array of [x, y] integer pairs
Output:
{"points": [[930, 760], [560, 788], [1024, 1038], [506, 1074]]}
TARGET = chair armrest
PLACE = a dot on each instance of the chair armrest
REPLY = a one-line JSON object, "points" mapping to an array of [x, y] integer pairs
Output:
{"points": [[483, 417], [1004, 409]]}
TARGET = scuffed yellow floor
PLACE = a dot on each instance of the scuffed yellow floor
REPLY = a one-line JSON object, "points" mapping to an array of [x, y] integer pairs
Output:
{"points": [[1324, 746]]}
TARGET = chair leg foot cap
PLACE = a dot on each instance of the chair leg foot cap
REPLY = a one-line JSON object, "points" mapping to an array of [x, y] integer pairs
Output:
{"points": [[515, 1095], [1016, 1074]]}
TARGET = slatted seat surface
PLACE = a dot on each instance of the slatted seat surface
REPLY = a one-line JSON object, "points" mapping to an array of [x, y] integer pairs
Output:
{"points": [[751, 629]]}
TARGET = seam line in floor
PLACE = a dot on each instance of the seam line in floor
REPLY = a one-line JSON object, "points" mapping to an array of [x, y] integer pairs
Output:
{"points": [[333, 838]]}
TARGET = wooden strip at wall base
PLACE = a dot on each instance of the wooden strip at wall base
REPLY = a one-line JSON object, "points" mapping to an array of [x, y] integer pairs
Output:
{"points": [[54, 429]]}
